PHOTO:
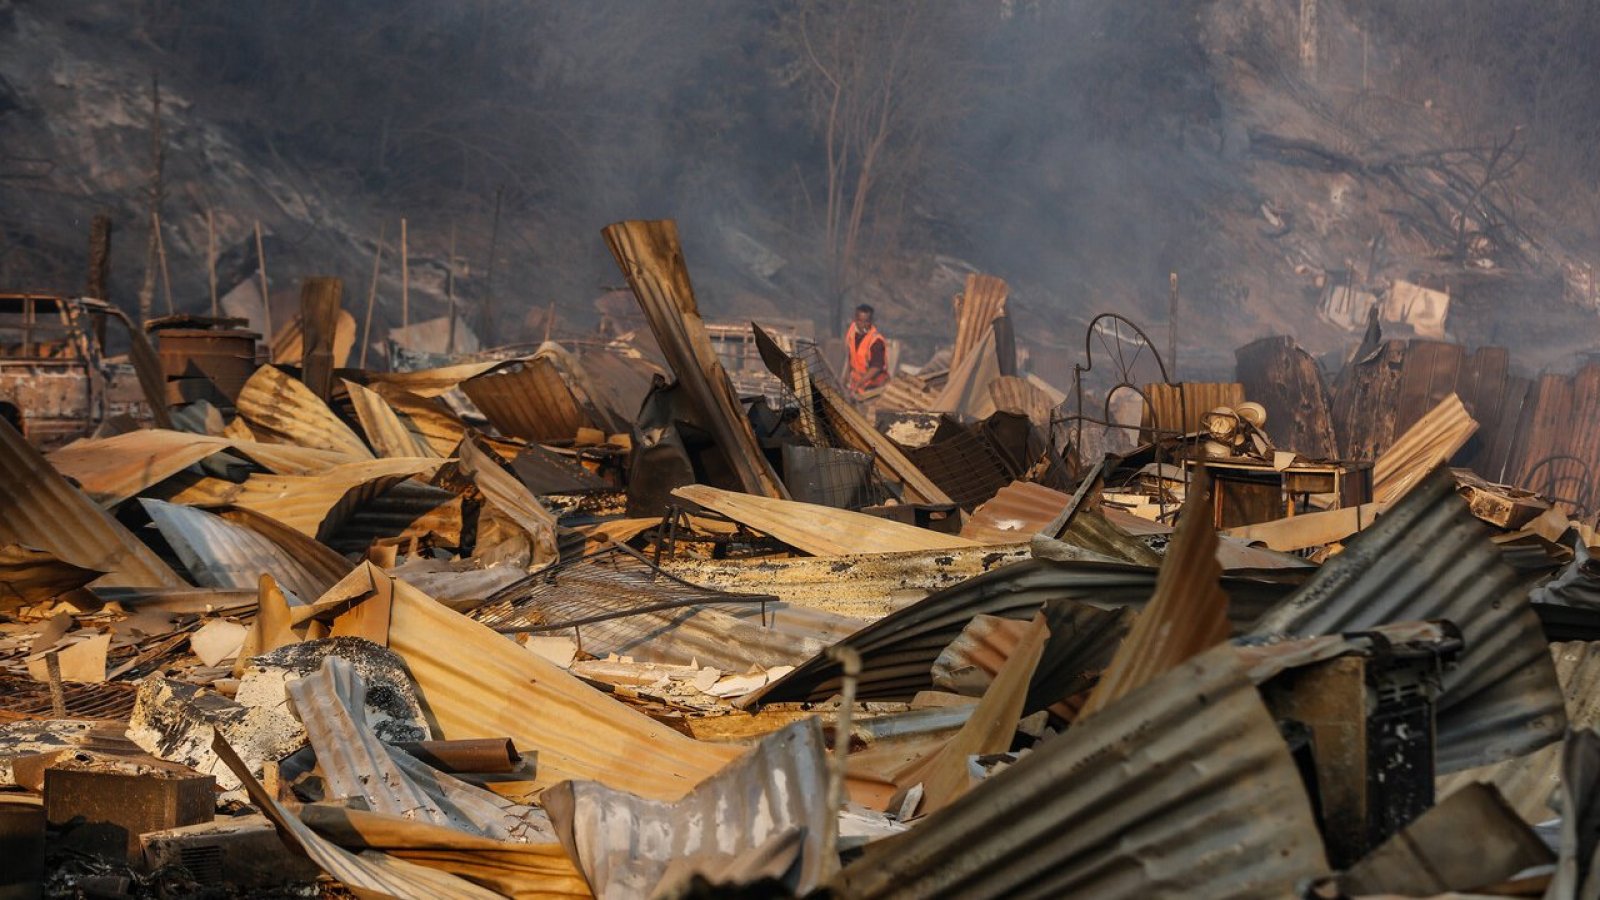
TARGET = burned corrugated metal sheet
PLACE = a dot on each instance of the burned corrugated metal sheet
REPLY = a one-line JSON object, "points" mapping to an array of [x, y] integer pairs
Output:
{"points": [[1431, 440], [32, 576], [370, 874], [1428, 558], [476, 683], [528, 399], [775, 794], [976, 308], [819, 530], [505, 493], [547, 473], [288, 409], [1010, 393], [430, 383], [1529, 781], [1285, 379], [1082, 641], [651, 259], [44, 512], [1143, 800], [1177, 408], [428, 417], [110, 470], [407, 510], [385, 430], [1364, 397], [325, 566], [220, 554], [358, 765], [898, 651], [1016, 512], [1187, 613], [615, 602], [317, 505]]}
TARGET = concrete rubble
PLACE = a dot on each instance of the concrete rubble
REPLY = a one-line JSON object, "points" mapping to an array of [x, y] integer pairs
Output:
{"points": [[594, 620]]}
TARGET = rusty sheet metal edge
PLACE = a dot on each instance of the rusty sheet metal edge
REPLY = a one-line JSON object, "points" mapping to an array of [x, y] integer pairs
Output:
{"points": [[475, 683], [368, 874], [1144, 801], [384, 429], [651, 259], [1527, 781], [982, 300], [898, 650], [1429, 558], [279, 404], [528, 399], [779, 786], [43, 511], [110, 470], [221, 554]]}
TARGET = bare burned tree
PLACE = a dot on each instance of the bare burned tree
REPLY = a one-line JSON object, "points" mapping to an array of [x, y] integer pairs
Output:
{"points": [[878, 77]]}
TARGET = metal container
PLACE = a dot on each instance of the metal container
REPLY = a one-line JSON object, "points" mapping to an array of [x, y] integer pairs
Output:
{"points": [[226, 357]]}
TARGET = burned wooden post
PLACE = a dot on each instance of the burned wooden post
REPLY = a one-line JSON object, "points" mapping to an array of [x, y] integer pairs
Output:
{"points": [[99, 258], [319, 317]]}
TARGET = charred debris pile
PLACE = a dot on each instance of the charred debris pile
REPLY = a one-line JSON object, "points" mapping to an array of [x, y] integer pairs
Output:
{"points": [[672, 614]]}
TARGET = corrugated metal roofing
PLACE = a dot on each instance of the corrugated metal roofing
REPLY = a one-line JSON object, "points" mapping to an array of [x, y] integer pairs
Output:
{"points": [[777, 793], [1021, 396], [1178, 407], [432, 382], [651, 259], [279, 404], [317, 505], [220, 554], [1081, 643], [898, 650], [369, 874], [43, 511], [110, 470], [1428, 558], [431, 418], [476, 683], [385, 431], [1146, 799], [1529, 781], [981, 302], [30, 576], [816, 529], [528, 399], [1432, 440], [1187, 613]]}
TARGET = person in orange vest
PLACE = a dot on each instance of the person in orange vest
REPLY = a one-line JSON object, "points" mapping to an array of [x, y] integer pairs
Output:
{"points": [[869, 356]]}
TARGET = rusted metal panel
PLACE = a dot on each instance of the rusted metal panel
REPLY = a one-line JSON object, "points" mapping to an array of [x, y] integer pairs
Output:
{"points": [[528, 399], [1178, 407], [221, 554], [1187, 613], [407, 510], [369, 874], [1426, 444], [651, 259], [819, 530], [1428, 558], [110, 470], [898, 651], [426, 416], [1529, 781], [1483, 386], [1081, 643], [976, 307], [1285, 379], [32, 576], [431, 383], [317, 505], [1364, 398], [1143, 800], [476, 683], [385, 430], [283, 406], [227, 357], [1016, 512], [43, 511], [727, 828]]}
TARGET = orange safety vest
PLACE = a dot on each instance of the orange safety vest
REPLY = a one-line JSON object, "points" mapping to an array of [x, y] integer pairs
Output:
{"points": [[861, 357]]}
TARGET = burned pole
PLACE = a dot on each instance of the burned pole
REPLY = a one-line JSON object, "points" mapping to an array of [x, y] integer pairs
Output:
{"points": [[372, 294], [147, 289], [486, 315], [211, 259], [99, 258], [1172, 325], [266, 296], [405, 279]]}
